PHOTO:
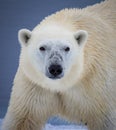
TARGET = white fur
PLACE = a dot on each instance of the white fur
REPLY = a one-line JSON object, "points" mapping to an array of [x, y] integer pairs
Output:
{"points": [[86, 89]]}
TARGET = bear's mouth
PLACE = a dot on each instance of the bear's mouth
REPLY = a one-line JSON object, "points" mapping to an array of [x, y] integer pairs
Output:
{"points": [[54, 78]]}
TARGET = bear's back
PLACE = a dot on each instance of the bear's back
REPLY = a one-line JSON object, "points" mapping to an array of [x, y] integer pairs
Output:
{"points": [[106, 10]]}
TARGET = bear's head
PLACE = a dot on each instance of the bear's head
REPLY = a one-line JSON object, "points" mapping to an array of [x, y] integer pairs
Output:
{"points": [[52, 56]]}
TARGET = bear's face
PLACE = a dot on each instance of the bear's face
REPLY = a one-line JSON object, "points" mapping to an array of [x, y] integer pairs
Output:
{"points": [[52, 59], [54, 56]]}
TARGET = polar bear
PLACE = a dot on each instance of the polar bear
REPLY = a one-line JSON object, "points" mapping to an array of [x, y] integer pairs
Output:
{"points": [[67, 67]]}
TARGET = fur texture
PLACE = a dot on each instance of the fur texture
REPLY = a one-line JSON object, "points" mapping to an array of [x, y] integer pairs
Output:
{"points": [[87, 94]]}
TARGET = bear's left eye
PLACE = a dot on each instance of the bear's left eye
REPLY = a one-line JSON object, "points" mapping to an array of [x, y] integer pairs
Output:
{"points": [[42, 48], [67, 49]]}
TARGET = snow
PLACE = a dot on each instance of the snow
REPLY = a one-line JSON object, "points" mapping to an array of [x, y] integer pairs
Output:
{"points": [[59, 127], [64, 127]]}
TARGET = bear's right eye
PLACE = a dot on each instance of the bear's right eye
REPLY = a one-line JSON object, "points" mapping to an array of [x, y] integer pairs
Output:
{"points": [[42, 48], [67, 49]]}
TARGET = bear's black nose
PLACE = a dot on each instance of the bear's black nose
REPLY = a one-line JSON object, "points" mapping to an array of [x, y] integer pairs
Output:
{"points": [[55, 70]]}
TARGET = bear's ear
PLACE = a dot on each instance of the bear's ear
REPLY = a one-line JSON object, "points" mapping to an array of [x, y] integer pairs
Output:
{"points": [[23, 36], [81, 37]]}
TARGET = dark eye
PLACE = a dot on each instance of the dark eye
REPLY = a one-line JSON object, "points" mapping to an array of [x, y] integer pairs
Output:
{"points": [[67, 49], [42, 48]]}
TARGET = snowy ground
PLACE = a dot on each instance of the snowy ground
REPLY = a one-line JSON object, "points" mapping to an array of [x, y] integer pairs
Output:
{"points": [[59, 127]]}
